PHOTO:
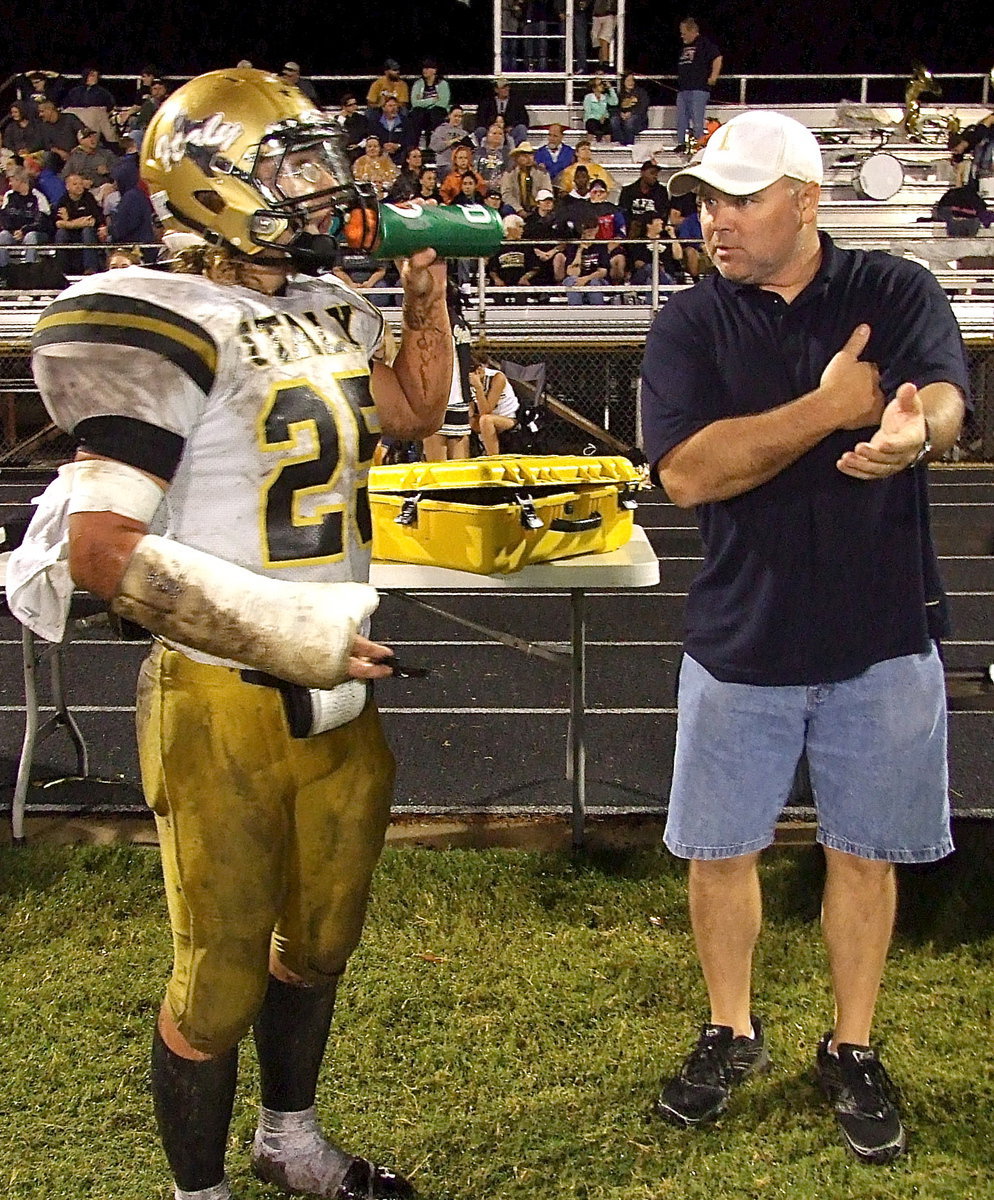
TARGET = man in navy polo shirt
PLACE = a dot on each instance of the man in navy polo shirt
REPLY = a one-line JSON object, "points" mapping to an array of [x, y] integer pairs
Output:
{"points": [[794, 397]]}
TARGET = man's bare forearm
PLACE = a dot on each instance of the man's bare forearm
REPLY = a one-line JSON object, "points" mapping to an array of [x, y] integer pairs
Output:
{"points": [[944, 411], [737, 454]]}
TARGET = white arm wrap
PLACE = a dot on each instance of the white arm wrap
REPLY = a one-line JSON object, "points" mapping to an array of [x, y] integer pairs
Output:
{"points": [[299, 632], [105, 485]]}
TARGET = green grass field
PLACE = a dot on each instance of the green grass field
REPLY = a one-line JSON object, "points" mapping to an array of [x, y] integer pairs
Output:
{"points": [[503, 1030]]}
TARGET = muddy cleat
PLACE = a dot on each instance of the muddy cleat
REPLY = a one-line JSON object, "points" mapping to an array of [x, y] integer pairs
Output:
{"points": [[306, 1164], [864, 1099], [700, 1091]]}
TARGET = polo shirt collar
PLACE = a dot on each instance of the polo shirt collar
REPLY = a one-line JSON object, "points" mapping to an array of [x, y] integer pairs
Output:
{"points": [[831, 263]]}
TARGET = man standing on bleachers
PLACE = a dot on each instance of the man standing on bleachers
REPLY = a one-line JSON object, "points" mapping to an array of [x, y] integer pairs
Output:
{"points": [[697, 72]]}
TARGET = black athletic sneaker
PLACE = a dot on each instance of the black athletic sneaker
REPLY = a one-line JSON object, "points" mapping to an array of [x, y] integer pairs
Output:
{"points": [[719, 1062], [864, 1099]]}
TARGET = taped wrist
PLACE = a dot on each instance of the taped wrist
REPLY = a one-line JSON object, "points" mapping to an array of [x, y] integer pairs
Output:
{"points": [[300, 632], [105, 485]]}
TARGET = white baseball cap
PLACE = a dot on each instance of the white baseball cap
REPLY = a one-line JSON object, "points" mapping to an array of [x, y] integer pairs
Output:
{"points": [[750, 152]]}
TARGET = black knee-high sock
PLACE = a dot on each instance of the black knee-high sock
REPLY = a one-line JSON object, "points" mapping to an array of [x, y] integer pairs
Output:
{"points": [[291, 1032], [193, 1102]]}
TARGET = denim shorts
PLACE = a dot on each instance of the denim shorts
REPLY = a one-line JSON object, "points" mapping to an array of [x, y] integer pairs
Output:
{"points": [[876, 749]]}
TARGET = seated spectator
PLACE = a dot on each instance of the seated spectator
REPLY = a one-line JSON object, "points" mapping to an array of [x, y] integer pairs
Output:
{"points": [[597, 105], [89, 93], [574, 208], [446, 137], [555, 156], [411, 166], [92, 103], [494, 408], [136, 119], [375, 167], [611, 228], [491, 159], [685, 220], [402, 190], [388, 84], [452, 184], [632, 114], [25, 218], [645, 196], [468, 192], [595, 170], [45, 177], [611, 222], [493, 199], [59, 131], [392, 129], [523, 180], [587, 264], [355, 125], [513, 264], [35, 86], [430, 101], [122, 257], [502, 103], [143, 85], [291, 73], [92, 161], [543, 225], [22, 133], [662, 240], [79, 220], [428, 192], [369, 275], [131, 220]]}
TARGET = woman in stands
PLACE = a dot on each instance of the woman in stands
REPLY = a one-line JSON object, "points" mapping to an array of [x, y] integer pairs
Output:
{"points": [[598, 104]]}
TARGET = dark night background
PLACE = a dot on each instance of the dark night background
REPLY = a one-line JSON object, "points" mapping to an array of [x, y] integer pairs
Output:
{"points": [[332, 38]]}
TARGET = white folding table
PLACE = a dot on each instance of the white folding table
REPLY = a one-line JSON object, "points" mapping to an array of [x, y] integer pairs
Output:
{"points": [[634, 565]]}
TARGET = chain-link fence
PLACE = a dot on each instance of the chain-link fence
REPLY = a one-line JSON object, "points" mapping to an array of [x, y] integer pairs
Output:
{"points": [[590, 396], [976, 443]]}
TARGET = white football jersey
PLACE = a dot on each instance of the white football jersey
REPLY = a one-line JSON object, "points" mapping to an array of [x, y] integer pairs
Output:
{"points": [[269, 394]]}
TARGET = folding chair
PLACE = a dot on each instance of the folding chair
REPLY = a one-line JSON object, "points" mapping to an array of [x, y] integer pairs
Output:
{"points": [[528, 382]]}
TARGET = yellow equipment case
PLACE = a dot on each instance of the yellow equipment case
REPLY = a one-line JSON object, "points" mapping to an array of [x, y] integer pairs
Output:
{"points": [[499, 513]]}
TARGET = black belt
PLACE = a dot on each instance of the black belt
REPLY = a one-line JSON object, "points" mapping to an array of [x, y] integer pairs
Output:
{"points": [[261, 679]]}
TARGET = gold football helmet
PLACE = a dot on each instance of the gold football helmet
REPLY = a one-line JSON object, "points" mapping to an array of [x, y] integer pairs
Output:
{"points": [[242, 157]]}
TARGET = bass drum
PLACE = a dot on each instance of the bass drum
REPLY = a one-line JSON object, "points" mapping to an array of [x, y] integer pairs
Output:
{"points": [[879, 177]]}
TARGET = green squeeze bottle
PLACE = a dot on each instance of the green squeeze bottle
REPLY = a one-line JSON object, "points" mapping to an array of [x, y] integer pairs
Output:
{"points": [[452, 231]]}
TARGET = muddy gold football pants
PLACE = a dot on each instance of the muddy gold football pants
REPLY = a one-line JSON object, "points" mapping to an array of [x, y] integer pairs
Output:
{"points": [[265, 839]]}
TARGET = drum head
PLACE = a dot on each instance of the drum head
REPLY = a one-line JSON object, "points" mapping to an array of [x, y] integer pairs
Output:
{"points": [[880, 177]]}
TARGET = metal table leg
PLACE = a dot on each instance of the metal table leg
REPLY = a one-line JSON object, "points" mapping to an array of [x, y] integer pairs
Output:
{"points": [[30, 733], [576, 747]]}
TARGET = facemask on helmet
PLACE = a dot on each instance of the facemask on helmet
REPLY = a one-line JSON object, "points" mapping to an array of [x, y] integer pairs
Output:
{"points": [[242, 157]]}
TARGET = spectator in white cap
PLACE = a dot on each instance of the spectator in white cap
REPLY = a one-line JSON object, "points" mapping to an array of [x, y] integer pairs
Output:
{"points": [[794, 397], [291, 73]]}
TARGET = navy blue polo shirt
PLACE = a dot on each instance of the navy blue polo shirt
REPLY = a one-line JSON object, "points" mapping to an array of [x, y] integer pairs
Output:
{"points": [[813, 576]]}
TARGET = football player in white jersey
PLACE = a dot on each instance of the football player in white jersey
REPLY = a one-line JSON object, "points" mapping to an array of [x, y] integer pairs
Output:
{"points": [[239, 405]]}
